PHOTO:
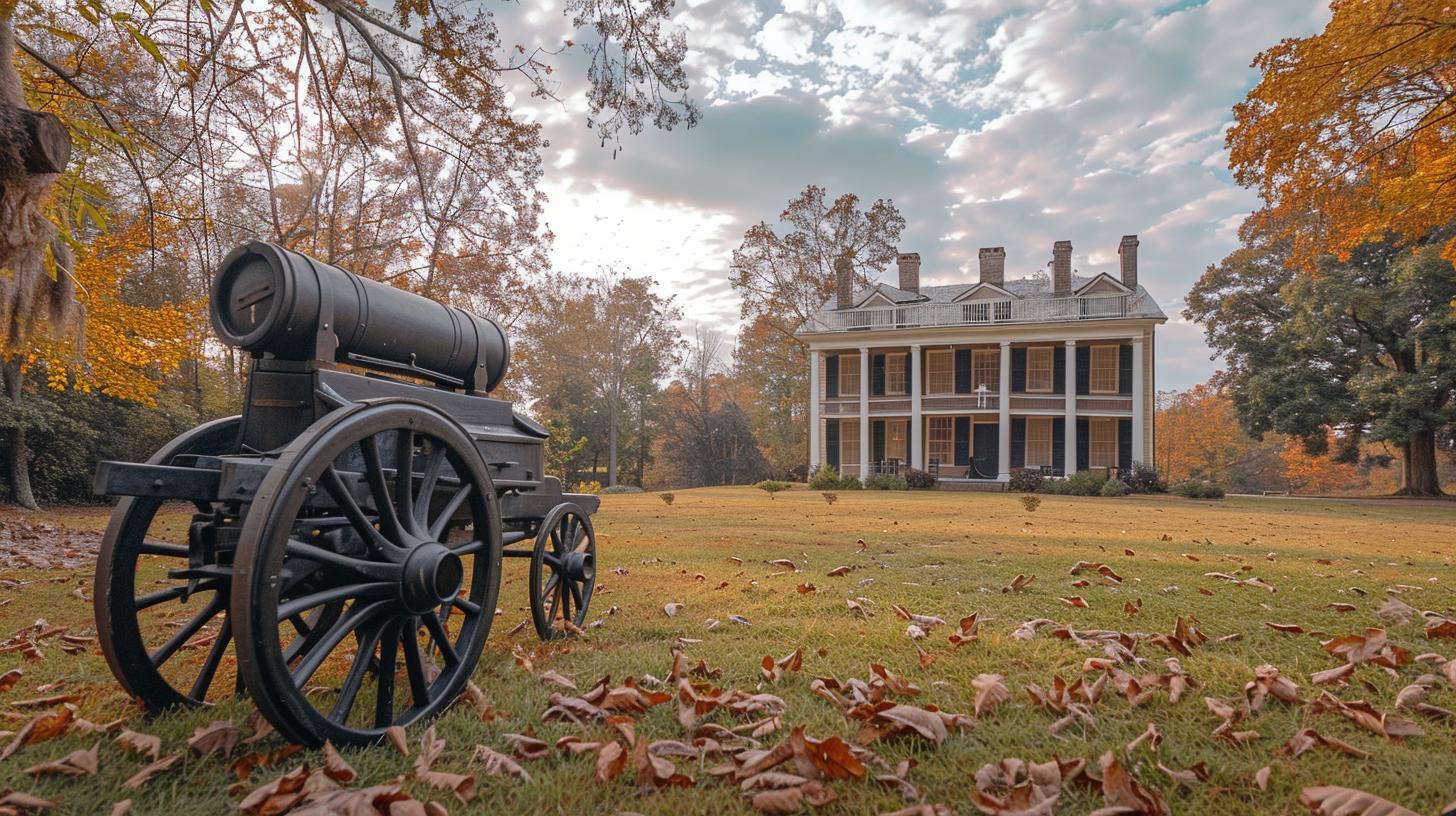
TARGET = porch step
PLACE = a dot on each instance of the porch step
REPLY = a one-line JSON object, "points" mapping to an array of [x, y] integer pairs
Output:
{"points": [[971, 487]]}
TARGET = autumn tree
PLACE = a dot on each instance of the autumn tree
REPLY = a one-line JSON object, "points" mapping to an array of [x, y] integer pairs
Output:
{"points": [[784, 272], [706, 437], [593, 352], [1365, 346], [1198, 435], [1355, 124]]}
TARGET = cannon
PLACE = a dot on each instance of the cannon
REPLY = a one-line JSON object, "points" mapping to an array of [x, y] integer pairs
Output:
{"points": [[335, 551]]}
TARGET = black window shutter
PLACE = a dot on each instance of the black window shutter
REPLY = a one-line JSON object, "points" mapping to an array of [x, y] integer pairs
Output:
{"points": [[1018, 442], [909, 375], [1059, 370], [831, 443], [1084, 372], [962, 441], [877, 430], [877, 362], [1059, 442], [963, 372], [1018, 371], [1083, 443], [1124, 369], [1124, 445], [831, 376]]}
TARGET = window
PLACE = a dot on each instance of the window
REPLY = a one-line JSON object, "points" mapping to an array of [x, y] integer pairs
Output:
{"points": [[1102, 441], [849, 375], [940, 371], [1104, 369], [848, 442], [895, 446], [895, 373], [1038, 441], [1039, 369], [986, 369], [942, 440]]}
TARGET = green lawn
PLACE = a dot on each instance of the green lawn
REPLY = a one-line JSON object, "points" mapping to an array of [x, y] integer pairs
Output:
{"points": [[936, 554]]}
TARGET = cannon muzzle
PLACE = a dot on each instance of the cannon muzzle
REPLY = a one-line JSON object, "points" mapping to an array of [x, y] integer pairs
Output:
{"points": [[273, 301]]}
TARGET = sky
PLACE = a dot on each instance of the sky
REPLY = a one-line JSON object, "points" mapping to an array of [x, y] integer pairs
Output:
{"points": [[1010, 123]]}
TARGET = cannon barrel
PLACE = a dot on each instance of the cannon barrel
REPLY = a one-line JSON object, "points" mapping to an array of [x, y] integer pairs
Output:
{"points": [[270, 300]]}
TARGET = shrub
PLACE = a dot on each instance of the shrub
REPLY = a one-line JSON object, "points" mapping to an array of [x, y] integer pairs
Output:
{"points": [[1081, 483], [1143, 478], [771, 487], [622, 489], [826, 477], [1196, 489], [666, 498], [593, 487], [1113, 488], [919, 479], [886, 481], [1025, 480], [830, 498], [1030, 501]]}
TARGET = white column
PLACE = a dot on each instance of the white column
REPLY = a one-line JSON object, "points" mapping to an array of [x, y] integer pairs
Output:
{"points": [[1003, 401], [1138, 454], [814, 429], [917, 387], [1069, 384], [864, 411]]}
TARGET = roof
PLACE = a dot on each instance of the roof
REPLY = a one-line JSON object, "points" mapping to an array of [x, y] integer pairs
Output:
{"points": [[1141, 303]]}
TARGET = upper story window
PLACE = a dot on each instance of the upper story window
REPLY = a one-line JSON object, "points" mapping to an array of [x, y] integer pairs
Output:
{"points": [[1104, 370], [849, 375], [940, 371], [895, 382], [1039, 369], [986, 369]]}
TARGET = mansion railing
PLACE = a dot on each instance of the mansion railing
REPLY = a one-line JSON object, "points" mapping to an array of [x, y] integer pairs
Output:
{"points": [[977, 312]]}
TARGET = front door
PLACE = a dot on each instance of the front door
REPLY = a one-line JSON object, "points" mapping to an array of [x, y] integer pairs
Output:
{"points": [[987, 443]]}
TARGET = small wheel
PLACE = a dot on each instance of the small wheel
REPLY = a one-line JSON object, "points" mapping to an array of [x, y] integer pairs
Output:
{"points": [[563, 571], [405, 559], [166, 641]]}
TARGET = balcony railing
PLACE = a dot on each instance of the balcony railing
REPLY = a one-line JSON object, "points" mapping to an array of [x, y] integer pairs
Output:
{"points": [[977, 313]]}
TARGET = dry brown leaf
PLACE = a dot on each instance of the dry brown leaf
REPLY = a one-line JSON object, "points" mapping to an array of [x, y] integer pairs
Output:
{"points": [[1075, 600], [17, 802], [1307, 738], [335, 767], [462, 785], [40, 728], [498, 764], [1333, 800], [672, 609], [1019, 583], [218, 737], [76, 763], [611, 760], [991, 691], [9, 679], [1121, 789], [1261, 778], [145, 775], [398, 739]]}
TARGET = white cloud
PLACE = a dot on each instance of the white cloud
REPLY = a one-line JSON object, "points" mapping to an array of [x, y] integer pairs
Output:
{"points": [[787, 39]]}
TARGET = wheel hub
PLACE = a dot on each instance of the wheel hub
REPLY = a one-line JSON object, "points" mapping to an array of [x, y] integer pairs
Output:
{"points": [[579, 566], [432, 576]]}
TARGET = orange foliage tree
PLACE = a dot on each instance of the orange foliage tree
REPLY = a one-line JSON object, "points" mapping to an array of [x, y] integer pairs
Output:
{"points": [[1355, 124], [1198, 434]]}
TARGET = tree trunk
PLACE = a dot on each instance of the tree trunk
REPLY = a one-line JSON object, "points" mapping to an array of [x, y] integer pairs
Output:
{"points": [[1420, 466], [18, 455], [614, 398]]}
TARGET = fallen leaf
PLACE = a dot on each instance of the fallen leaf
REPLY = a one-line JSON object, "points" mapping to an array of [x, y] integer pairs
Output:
{"points": [[991, 691], [145, 775], [76, 763], [672, 609], [1333, 800], [219, 737]]}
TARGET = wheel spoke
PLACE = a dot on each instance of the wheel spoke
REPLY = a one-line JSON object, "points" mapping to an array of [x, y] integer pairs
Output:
{"points": [[584, 544], [575, 590], [349, 691], [151, 599], [205, 614], [404, 479], [442, 639], [434, 464], [169, 550], [466, 605], [334, 484], [414, 665], [370, 591], [214, 659], [471, 547], [377, 570], [383, 502], [358, 614], [442, 521], [384, 677]]}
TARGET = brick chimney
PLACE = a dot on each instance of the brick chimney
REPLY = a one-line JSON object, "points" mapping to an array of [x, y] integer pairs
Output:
{"points": [[844, 282], [993, 265], [1062, 269], [1127, 260], [909, 264]]}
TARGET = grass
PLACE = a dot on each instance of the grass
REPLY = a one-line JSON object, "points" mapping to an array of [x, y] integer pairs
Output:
{"points": [[944, 554]]}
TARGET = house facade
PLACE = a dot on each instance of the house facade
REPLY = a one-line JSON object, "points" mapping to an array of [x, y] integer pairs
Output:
{"points": [[972, 380]]}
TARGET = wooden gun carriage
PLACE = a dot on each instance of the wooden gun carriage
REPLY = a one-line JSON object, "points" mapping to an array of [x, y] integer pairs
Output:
{"points": [[343, 556]]}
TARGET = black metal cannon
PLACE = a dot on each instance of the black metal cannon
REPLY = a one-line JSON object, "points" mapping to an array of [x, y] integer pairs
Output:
{"points": [[343, 555]]}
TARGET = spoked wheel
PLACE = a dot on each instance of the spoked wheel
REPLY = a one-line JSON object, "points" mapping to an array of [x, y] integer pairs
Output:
{"points": [[412, 564], [161, 616], [563, 571]]}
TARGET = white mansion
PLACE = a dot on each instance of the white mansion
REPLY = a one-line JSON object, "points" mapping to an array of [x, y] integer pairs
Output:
{"points": [[972, 380]]}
